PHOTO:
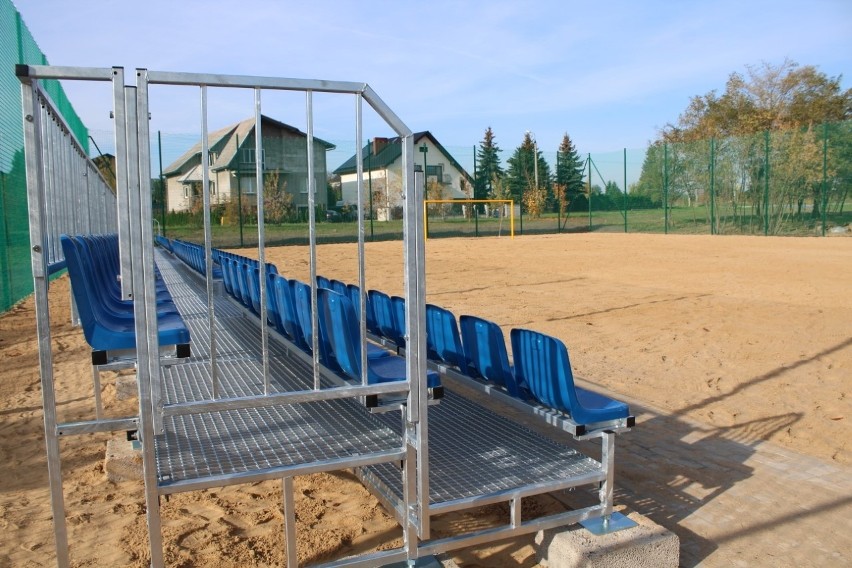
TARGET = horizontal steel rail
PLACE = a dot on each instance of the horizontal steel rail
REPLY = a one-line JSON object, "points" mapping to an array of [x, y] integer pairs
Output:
{"points": [[282, 398], [91, 426], [166, 487]]}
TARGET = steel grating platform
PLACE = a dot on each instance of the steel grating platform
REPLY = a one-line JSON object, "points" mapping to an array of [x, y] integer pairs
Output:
{"points": [[475, 455]]}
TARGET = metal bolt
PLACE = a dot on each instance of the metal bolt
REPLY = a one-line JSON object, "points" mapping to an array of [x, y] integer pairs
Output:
{"points": [[29, 118], [36, 248]]}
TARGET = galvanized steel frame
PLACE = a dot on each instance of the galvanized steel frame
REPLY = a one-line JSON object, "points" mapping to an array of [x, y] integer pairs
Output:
{"points": [[132, 207], [133, 213]]}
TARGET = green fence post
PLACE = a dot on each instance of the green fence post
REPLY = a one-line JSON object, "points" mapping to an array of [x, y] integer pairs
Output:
{"points": [[824, 176], [665, 188], [370, 185], [162, 184], [475, 221], [239, 191], [766, 184], [558, 205], [625, 190], [590, 190], [712, 186]]}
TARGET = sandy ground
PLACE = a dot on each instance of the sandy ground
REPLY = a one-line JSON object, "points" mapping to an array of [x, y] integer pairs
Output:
{"points": [[750, 336]]}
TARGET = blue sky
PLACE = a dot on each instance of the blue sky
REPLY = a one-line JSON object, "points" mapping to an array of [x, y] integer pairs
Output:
{"points": [[609, 73]]}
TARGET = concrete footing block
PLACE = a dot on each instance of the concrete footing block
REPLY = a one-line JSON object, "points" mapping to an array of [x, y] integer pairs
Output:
{"points": [[645, 545], [125, 387], [122, 462]]}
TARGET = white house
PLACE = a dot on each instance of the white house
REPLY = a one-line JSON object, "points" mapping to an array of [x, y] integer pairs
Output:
{"points": [[232, 165], [382, 168]]}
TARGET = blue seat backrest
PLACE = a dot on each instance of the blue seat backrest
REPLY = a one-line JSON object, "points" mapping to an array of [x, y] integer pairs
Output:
{"points": [[542, 362], [354, 294], [302, 294], [242, 282], [383, 312], [287, 311], [339, 287], [339, 316], [302, 302], [225, 263], [323, 282], [398, 304], [272, 311], [442, 337], [485, 352], [253, 280]]}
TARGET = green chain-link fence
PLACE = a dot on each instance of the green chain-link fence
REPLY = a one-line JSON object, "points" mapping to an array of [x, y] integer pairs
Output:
{"points": [[793, 183], [18, 46]]}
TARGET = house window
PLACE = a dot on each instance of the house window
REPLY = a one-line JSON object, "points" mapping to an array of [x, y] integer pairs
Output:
{"points": [[435, 172], [212, 157], [186, 192], [249, 156], [248, 185]]}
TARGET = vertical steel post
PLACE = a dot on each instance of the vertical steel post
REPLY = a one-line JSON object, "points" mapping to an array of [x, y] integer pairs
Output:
{"points": [[362, 276], [415, 315], [208, 242], [312, 234], [36, 207], [124, 244], [608, 462], [289, 506], [766, 183], [261, 237], [144, 305]]}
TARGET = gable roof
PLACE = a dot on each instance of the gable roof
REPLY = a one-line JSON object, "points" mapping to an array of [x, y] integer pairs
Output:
{"points": [[391, 152], [224, 142]]}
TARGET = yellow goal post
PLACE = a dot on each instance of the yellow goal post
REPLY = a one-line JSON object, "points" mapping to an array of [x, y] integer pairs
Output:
{"points": [[499, 202]]}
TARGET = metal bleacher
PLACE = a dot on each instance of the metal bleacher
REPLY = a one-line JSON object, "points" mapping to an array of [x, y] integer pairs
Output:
{"points": [[247, 405]]}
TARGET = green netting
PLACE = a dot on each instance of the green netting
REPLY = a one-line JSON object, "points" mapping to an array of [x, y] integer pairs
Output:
{"points": [[18, 46]]}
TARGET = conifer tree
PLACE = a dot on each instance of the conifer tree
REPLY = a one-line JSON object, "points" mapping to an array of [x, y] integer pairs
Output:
{"points": [[487, 166], [569, 169], [521, 171]]}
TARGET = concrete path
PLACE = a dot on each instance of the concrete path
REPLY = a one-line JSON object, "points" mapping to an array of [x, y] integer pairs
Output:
{"points": [[733, 499]]}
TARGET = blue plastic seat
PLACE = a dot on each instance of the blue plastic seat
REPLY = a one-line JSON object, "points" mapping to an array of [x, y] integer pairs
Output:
{"points": [[273, 315], [287, 311], [253, 281], [104, 328], [443, 342], [398, 304], [542, 362], [344, 335], [302, 295], [383, 311], [486, 355], [354, 294], [323, 282], [338, 287]]}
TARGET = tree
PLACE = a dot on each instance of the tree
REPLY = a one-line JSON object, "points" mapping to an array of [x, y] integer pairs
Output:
{"points": [[569, 169], [487, 166], [521, 175], [769, 115], [650, 184], [277, 201]]}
